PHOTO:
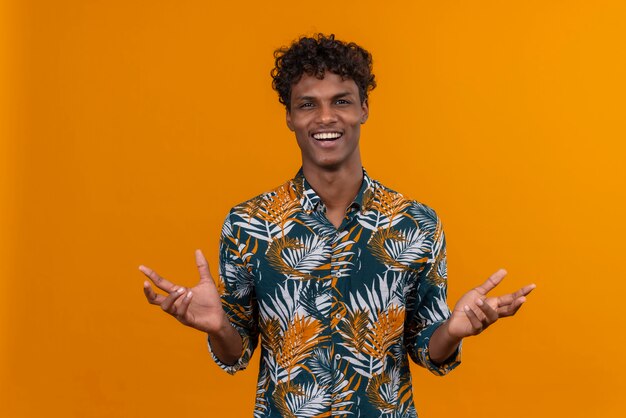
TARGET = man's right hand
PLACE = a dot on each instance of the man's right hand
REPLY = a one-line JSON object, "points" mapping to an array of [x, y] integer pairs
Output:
{"points": [[199, 307]]}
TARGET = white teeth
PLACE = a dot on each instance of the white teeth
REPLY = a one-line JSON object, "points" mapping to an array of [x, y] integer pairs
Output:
{"points": [[327, 135]]}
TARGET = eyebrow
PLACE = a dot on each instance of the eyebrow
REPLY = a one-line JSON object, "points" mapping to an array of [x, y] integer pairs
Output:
{"points": [[335, 97]]}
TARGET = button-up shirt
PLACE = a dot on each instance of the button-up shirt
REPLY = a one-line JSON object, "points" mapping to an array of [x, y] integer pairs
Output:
{"points": [[338, 310]]}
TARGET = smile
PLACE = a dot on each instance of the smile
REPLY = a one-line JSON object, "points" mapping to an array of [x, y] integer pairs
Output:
{"points": [[325, 136]]}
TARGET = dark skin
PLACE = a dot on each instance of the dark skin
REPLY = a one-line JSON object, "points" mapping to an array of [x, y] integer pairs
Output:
{"points": [[331, 166]]}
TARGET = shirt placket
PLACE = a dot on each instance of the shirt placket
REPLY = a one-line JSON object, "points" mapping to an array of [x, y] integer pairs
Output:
{"points": [[338, 294]]}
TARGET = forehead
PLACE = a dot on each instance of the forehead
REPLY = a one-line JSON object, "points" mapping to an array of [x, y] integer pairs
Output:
{"points": [[330, 85]]}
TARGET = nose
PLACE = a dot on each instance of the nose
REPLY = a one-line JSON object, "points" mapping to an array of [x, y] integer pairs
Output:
{"points": [[326, 115]]}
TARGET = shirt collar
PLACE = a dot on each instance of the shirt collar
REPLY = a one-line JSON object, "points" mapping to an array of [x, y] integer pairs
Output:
{"points": [[311, 201]]}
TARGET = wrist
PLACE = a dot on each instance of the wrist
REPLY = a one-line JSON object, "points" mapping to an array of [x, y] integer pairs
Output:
{"points": [[449, 337], [223, 329]]}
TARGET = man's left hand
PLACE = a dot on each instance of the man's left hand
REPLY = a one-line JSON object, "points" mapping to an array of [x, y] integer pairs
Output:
{"points": [[475, 311]]}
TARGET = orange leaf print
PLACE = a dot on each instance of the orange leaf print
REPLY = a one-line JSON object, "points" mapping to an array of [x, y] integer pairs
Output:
{"points": [[374, 393], [385, 332], [299, 340]]}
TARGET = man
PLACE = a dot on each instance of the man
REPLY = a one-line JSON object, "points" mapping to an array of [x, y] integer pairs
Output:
{"points": [[342, 278]]}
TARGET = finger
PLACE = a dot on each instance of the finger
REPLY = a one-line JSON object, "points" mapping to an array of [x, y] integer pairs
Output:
{"points": [[509, 298], [168, 304], [505, 300], [158, 281], [473, 318], [203, 266], [176, 307], [491, 315], [524, 290], [511, 309], [491, 282], [151, 295], [181, 311]]}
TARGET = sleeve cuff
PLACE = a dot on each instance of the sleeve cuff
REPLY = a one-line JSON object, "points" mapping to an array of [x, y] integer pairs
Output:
{"points": [[423, 353], [243, 360]]}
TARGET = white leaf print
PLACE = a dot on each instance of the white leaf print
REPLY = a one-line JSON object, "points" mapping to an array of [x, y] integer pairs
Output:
{"points": [[312, 401], [416, 245], [312, 254]]}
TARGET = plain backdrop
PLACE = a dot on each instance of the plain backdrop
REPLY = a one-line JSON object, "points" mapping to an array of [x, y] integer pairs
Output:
{"points": [[129, 128]]}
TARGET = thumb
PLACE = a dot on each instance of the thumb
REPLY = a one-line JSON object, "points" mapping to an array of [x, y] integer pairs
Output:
{"points": [[203, 267]]}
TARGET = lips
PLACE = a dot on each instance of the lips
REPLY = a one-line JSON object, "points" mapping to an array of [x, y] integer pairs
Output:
{"points": [[327, 136]]}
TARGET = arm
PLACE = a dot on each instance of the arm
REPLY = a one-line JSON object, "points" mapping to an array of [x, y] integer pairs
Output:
{"points": [[226, 343], [442, 345], [426, 306]]}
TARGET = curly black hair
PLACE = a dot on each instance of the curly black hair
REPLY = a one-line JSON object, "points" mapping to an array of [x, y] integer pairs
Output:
{"points": [[316, 55]]}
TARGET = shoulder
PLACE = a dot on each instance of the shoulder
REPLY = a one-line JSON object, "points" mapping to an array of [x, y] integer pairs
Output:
{"points": [[250, 207], [265, 216], [425, 216], [380, 191]]}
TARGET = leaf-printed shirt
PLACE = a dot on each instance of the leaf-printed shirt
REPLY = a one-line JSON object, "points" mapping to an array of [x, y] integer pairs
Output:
{"points": [[338, 310]]}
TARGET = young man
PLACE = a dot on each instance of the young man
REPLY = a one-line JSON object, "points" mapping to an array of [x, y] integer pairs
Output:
{"points": [[342, 278]]}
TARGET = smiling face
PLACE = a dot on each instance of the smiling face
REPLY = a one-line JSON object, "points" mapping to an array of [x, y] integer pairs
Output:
{"points": [[326, 116]]}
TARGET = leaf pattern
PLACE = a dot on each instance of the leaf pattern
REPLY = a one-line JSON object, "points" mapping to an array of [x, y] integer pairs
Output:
{"points": [[308, 400], [384, 332], [338, 310], [298, 340], [298, 258]]}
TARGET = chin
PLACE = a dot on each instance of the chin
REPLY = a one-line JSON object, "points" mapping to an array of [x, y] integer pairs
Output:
{"points": [[331, 167]]}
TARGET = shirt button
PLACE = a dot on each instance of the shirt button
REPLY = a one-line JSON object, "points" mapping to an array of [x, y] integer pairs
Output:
{"points": [[337, 357], [338, 274], [338, 315]]}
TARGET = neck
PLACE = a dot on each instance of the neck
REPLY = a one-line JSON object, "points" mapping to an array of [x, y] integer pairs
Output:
{"points": [[337, 188]]}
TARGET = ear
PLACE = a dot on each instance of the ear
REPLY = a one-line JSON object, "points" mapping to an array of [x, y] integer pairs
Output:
{"points": [[289, 122], [365, 112]]}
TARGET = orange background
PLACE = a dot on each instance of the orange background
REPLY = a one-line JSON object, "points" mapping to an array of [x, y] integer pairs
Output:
{"points": [[129, 128]]}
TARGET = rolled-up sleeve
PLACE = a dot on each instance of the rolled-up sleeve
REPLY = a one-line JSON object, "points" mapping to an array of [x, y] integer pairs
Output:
{"points": [[236, 288], [427, 308]]}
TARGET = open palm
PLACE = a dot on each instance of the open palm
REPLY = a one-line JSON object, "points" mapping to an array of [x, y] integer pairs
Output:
{"points": [[198, 307], [475, 311]]}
